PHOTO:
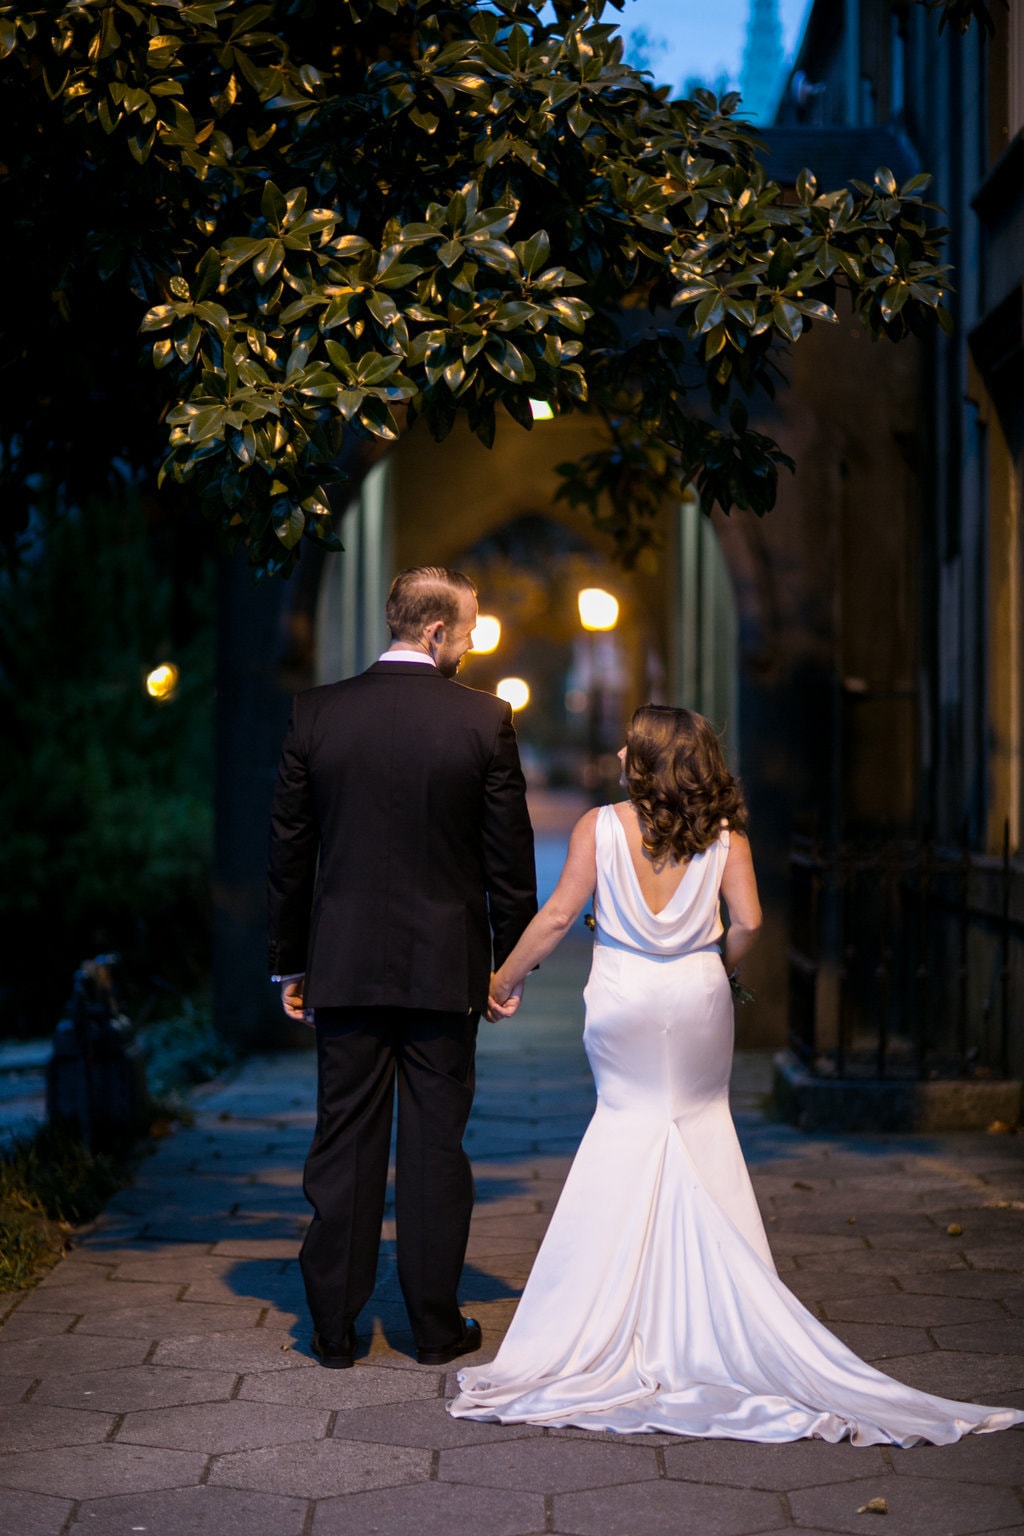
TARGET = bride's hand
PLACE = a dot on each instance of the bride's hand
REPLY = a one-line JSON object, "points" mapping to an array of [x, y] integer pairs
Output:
{"points": [[502, 1001]]}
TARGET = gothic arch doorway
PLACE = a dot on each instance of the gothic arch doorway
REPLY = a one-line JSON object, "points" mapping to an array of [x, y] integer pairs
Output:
{"points": [[494, 513]]}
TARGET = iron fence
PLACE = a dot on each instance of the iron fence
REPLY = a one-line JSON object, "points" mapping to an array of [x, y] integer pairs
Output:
{"points": [[906, 960]]}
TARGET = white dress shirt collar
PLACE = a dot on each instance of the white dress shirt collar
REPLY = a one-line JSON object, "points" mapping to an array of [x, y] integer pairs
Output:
{"points": [[407, 656]]}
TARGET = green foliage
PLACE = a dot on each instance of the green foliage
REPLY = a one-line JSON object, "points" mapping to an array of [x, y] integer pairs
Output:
{"points": [[344, 216], [106, 795], [183, 1050]]}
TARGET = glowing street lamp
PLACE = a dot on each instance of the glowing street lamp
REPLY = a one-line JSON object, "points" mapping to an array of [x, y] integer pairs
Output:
{"points": [[598, 608], [486, 634], [541, 410], [162, 682], [599, 611], [515, 691]]}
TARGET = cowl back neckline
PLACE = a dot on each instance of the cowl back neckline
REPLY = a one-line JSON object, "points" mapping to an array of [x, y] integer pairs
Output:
{"points": [[636, 873]]}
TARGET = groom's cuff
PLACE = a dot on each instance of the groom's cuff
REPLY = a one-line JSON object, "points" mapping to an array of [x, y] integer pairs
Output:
{"points": [[293, 976]]}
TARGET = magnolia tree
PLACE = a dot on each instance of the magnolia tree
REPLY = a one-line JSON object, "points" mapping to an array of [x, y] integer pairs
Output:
{"points": [[332, 219]]}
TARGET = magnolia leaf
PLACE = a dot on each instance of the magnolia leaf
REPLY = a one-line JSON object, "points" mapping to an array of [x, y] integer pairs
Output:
{"points": [[289, 529], [533, 253]]}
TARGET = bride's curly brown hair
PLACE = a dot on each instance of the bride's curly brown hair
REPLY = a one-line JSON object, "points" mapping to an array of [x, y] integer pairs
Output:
{"points": [[678, 781]]}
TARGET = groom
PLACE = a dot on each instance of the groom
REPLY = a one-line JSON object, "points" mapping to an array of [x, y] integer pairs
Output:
{"points": [[401, 851]]}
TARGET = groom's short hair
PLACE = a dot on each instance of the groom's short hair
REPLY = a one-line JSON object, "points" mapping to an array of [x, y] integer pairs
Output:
{"points": [[422, 595]]}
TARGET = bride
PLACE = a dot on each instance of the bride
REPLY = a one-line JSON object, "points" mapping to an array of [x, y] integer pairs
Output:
{"points": [[654, 1303]]}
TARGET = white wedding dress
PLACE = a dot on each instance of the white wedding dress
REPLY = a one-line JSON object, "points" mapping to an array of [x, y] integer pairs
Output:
{"points": [[654, 1303]]}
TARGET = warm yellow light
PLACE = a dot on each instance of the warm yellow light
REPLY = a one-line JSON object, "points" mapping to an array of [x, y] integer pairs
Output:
{"points": [[486, 634], [515, 691], [541, 410], [162, 681], [598, 609]]}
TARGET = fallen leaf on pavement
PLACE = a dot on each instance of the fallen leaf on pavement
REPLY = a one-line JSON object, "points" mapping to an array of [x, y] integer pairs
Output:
{"points": [[874, 1507]]}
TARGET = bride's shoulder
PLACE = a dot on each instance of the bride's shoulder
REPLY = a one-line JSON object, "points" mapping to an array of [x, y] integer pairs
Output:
{"points": [[589, 820]]}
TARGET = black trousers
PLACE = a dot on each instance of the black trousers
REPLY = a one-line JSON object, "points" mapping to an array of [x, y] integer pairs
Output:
{"points": [[360, 1053]]}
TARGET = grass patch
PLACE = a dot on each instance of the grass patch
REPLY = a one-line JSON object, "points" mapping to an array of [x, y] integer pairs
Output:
{"points": [[49, 1184]]}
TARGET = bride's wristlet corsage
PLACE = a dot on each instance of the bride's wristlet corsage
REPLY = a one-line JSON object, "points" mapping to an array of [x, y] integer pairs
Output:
{"points": [[739, 991]]}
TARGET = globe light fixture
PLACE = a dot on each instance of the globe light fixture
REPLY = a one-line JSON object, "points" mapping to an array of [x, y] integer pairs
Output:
{"points": [[486, 634], [598, 609], [162, 682], [515, 691]]}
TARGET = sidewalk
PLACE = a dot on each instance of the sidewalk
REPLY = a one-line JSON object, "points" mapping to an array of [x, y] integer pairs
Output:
{"points": [[159, 1380]]}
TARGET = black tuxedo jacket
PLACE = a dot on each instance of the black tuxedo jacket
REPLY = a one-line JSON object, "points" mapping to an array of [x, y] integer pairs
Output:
{"points": [[400, 842]]}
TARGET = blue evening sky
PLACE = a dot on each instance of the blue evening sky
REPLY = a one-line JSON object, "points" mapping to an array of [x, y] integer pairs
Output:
{"points": [[701, 38]]}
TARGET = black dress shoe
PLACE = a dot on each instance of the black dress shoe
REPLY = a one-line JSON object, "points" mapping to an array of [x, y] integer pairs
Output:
{"points": [[471, 1339], [336, 1354]]}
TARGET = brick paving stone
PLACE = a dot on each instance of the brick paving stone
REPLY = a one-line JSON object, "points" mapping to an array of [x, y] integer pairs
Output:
{"points": [[433, 1509], [74, 1352], [358, 1388], [220, 1427], [244, 1349], [1005, 1259], [548, 1466], [485, 1227], [969, 1284], [838, 1285], [13, 1388], [28, 1327], [918, 1506], [827, 1245], [10, 1301], [184, 1269], [911, 1311], [29, 1426], [966, 1378], [646, 1441], [257, 1247], [89, 1471], [121, 1390], [76, 1268], [260, 1281], [167, 1321], [273, 1235], [669, 1508], [424, 1423], [874, 1261], [23, 1513], [198, 1511], [977, 1459], [99, 1249], [1000, 1336], [875, 1342], [800, 1464], [322, 1468], [98, 1296]]}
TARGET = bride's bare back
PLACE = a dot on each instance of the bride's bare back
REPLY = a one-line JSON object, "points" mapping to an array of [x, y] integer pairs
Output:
{"points": [[658, 878]]}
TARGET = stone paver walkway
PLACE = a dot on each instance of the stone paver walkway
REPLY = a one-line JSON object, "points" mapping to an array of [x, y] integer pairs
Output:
{"points": [[159, 1380]]}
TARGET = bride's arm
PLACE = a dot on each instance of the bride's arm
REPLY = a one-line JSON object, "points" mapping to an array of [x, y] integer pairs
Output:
{"points": [[739, 890], [574, 889]]}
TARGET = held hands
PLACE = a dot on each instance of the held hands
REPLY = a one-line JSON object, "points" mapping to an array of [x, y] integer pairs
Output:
{"points": [[502, 1000], [291, 1001]]}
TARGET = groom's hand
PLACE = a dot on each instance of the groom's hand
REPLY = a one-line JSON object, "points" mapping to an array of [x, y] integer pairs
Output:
{"points": [[291, 1000]]}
